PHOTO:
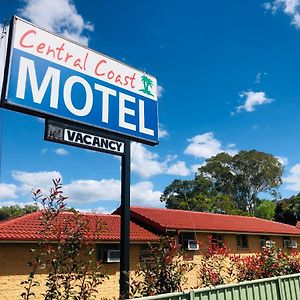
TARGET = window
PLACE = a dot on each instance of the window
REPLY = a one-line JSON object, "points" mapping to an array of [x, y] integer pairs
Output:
{"points": [[108, 252], [287, 241], [242, 241], [145, 254], [217, 239], [263, 240], [185, 237]]}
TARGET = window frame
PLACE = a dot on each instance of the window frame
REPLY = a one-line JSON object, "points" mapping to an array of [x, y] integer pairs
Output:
{"points": [[286, 238], [184, 237], [217, 239], [242, 241], [102, 251], [263, 240]]}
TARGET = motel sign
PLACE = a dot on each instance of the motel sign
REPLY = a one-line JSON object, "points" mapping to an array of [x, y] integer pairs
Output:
{"points": [[51, 76]]}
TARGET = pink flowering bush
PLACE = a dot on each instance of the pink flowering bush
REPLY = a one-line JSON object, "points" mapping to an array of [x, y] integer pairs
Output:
{"points": [[216, 266], [219, 267]]}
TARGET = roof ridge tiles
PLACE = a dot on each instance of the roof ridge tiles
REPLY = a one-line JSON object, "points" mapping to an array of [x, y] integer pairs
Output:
{"points": [[175, 219], [191, 211]]}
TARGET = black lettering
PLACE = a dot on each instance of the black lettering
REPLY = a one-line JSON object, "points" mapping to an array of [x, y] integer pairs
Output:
{"points": [[96, 142], [87, 139], [104, 143], [119, 145], [79, 138], [71, 135], [111, 145]]}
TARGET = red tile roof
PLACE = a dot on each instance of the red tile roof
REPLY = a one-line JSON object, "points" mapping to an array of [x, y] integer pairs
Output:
{"points": [[27, 228], [172, 219]]}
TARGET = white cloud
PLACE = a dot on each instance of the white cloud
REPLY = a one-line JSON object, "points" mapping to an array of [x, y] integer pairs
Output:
{"points": [[283, 160], [44, 151], [59, 16], [61, 151], [7, 191], [293, 179], [147, 164], [253, 99], [143, 194], [144, 162], [11, 203], [289, 7], [231, 145], [162, 132], [97, 210], [205, 146], [196, 167], [89, 191], [259, 77], [35, 180], [160, 91], [179, 168]]}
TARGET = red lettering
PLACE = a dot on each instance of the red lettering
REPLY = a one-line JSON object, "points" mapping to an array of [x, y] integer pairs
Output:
{"points": [[40, 47], [24, 36], [77, 63], [110, 74], [98, 65], [85, 60], [126, 80], [59, 49], [68, 56], [118, 79], [132, 78], [50, 50]]}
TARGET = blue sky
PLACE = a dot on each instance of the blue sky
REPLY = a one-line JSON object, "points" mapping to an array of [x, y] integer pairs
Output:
{"points": [[228, 75]]}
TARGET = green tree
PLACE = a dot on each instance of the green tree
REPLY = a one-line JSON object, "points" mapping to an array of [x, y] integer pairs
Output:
{"points": [[288, 210], [265, 209], [227, 184], [243, 176], [12, 211], [198, 195]]}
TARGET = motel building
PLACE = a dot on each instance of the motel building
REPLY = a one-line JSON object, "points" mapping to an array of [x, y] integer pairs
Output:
{"points": [[242, 235]]}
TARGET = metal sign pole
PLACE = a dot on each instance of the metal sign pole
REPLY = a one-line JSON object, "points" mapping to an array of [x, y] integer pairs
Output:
{"points": [[125, 222]]}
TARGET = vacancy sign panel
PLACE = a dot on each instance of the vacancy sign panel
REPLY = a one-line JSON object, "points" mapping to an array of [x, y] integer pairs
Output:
{"points": [[89, 139], [49, 75]]}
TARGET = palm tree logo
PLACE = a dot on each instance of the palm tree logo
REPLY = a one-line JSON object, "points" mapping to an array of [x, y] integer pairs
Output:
{"points": [[148, 83]]}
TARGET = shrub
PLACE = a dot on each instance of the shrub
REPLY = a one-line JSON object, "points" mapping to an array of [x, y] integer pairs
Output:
{"points": [[72, 273], [272, 261], [164, 273], [216, 266]]}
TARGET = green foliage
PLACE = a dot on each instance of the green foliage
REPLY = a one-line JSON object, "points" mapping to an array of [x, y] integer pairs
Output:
{"points": [[243, 176], [216, 266], [219, 267], [272, 261], [288, 210], [197, 195], [7, 212], [73, 272], [265, 209], [164, 274], [227, 184]]}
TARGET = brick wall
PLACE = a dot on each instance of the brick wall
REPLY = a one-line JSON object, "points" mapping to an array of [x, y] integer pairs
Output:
{"points": [[231, 243], [14, 269]]}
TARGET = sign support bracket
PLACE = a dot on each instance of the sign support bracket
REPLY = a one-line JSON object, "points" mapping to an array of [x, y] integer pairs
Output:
{"points": [[125, 222]]}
